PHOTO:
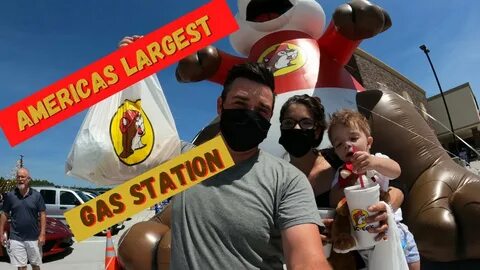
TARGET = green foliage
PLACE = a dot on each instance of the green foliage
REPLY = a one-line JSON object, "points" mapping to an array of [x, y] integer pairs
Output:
{"points": [[6, 186], [41, 183]]}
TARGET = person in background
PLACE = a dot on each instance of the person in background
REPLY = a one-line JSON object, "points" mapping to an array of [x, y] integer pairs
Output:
{"points": [[463, 154], [26, 209]]}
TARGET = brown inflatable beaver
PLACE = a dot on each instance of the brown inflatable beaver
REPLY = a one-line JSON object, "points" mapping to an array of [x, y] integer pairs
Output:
{"points": [[441, 209]]}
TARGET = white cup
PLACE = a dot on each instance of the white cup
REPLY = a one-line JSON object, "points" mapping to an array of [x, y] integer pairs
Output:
{"points": [[358, 200], [325, 213]]}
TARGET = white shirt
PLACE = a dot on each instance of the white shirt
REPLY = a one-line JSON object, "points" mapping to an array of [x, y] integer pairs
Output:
{"points": [[372, 176]]}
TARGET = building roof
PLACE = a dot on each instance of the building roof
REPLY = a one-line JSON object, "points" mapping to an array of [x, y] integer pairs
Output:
{"points": [[387, 68], [456, 88]]}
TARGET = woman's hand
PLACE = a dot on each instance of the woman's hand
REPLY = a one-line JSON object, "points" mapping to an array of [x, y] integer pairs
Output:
{"points": [[381, 217], [128, 40]]}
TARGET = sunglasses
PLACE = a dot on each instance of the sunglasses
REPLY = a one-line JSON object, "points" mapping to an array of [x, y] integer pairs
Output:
{"points": [[305, 123]]}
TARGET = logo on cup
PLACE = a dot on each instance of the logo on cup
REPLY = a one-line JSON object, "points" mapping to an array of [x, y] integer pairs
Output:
{"points": [[131, 133], [359, 218]]}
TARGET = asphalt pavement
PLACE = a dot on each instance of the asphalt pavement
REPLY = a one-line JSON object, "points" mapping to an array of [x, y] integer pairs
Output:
{"points": [[86, 255]]}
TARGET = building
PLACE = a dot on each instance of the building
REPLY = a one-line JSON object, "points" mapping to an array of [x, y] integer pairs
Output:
{"points": [[374, 74], [463, 108]]}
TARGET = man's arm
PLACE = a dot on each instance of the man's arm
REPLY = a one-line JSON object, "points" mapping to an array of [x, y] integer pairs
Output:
{"points": [[3, 220], [302, 247], [43, 222], [4, 217]]}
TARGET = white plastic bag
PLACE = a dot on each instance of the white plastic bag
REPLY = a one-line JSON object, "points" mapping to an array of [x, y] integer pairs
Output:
{"points": [[388, 254], [124, 136]]}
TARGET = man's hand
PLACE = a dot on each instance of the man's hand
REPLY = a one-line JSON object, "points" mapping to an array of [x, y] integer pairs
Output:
{"points": [[41, 239], [380, 217], [128, 40], [326, 234]]}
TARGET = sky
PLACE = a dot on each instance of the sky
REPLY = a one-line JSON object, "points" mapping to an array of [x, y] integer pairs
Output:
{"points": [[43, 41]]}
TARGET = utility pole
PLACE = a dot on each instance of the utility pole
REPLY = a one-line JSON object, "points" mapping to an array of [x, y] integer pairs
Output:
{"points": [[426, 51]]}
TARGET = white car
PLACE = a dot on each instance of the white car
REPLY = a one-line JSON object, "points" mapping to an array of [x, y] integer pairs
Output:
{"points": [[59, 200]]}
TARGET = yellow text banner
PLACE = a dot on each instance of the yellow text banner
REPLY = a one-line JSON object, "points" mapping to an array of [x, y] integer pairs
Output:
{"points": [[149, 188]]}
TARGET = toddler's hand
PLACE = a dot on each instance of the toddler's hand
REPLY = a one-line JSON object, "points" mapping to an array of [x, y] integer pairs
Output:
{"points": [[362, 162]]}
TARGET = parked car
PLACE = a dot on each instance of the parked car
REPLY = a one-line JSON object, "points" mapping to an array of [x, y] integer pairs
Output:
{"points": [[90, 194], [58, 238], [115, 228], [59, 200]]}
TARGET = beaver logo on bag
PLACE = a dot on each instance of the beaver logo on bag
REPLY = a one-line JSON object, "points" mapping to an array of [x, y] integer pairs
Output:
{"points": [[131, 133]]}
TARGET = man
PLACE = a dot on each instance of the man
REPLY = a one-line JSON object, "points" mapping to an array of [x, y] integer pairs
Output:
{"points": [[24, 205], [261, 212], [463, 154]]}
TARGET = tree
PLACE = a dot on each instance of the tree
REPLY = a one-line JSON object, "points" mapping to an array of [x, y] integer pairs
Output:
{"points": [[41, 183]]}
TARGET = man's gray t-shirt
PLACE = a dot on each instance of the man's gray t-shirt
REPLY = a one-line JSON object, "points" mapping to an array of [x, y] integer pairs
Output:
{"points": [[233, 220]]}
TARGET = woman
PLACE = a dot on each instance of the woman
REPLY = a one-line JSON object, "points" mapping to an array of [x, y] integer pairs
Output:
{"points": [[302, 124]]}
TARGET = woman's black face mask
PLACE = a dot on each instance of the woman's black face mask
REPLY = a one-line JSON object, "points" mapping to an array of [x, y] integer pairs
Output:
{"points": [[243, 129], [298, 142]]}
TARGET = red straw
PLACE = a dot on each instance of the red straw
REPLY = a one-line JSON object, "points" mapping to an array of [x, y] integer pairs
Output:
{"points": [[362, 185], [361, 181]]}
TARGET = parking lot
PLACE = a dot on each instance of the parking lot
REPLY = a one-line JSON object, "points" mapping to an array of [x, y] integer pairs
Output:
{"points": [[88, 254]]}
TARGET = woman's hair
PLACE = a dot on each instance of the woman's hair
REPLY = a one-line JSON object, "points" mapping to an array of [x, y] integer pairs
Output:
{"points": [[350, 119], [313, 104]]}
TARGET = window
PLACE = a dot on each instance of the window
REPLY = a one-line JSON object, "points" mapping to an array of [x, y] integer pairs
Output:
{"points": [[67, 198], [48, 196], [82, 196]]}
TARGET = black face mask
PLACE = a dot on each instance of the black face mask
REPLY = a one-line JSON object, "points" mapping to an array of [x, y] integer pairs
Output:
{"points": [[243, 129], [298, 142]]}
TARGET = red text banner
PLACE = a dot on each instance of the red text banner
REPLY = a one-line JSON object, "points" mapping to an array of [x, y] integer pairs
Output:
{"points": [[117, 71]]}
